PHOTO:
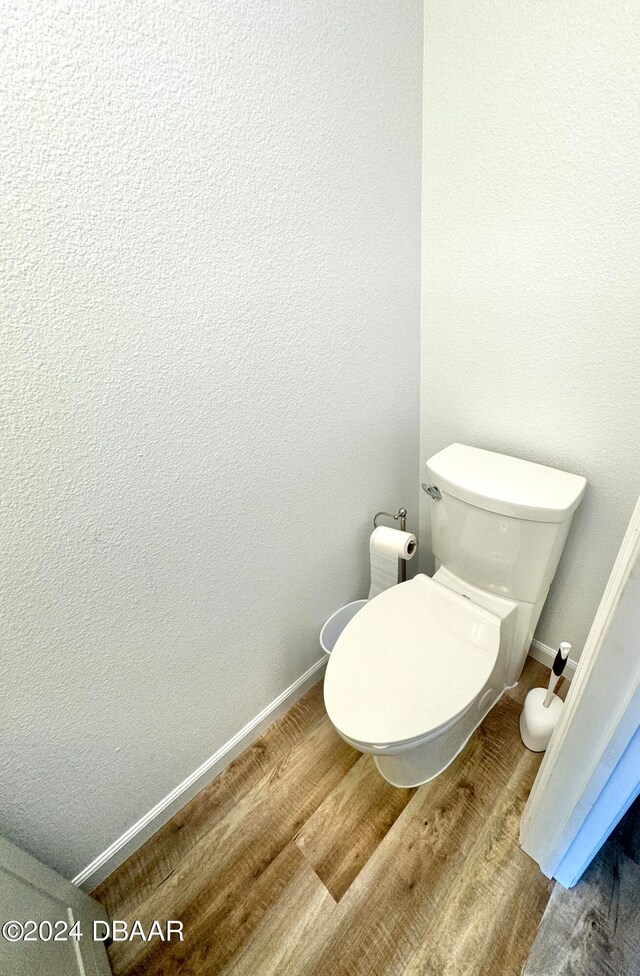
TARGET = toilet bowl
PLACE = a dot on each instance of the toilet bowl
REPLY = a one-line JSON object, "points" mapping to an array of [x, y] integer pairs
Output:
{"points": [[417, 669], [412, 676]]}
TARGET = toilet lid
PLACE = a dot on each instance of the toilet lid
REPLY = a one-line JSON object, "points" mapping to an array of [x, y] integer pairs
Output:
{"points": [[409, 662]]}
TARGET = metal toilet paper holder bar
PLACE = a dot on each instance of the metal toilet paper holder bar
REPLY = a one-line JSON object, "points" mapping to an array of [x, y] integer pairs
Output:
{"points": [[400, 516]]}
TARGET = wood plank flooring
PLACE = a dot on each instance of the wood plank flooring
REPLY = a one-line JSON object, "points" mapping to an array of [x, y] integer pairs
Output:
{"points": [[366, 807], [299, 859], [593, 929]]}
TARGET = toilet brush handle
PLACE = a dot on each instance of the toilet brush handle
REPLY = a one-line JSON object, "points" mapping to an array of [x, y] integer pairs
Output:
{"points": [[556, 671]]}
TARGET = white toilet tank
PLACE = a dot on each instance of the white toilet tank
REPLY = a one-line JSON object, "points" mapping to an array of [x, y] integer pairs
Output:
{"points": [[501, 523]]}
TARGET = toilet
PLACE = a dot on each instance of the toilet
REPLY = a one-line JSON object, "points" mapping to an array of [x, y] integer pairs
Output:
{"points": [[420, 665]]}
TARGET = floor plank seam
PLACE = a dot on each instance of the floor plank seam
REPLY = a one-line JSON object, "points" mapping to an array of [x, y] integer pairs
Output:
{"points": [[311, 868]]}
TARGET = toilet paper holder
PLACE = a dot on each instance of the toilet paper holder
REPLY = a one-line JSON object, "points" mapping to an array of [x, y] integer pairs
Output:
{"points": [[400, 516]]}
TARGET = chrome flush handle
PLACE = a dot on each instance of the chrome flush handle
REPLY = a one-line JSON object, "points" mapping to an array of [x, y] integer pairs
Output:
{"points": [[432, 491]]}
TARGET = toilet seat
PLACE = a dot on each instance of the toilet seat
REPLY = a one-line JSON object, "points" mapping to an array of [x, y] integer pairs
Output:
{"points": [[411, 661]]}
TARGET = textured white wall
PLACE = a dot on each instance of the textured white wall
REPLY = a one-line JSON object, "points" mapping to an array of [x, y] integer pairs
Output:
{"points": [[211, 383], [531, 297]]}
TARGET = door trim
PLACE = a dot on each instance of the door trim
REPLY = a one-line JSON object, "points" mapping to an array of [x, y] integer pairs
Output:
{"points": [[598, 722]]}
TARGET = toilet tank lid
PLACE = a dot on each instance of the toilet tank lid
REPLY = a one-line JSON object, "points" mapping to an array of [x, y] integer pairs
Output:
{"points": [[506, 485]]}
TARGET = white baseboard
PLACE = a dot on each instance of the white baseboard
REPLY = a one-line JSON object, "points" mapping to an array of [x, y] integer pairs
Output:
{"points": [[546, 655], [136, 835]]}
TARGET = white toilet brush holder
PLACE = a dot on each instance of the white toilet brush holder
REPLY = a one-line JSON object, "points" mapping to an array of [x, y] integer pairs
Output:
{"points": [[542, 709]]}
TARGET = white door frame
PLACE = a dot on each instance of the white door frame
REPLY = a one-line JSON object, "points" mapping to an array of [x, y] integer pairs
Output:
{"points": [[591, 771]]}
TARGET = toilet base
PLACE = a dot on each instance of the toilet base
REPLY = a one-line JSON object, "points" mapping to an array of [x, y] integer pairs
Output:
{"points": [[424, 761]]}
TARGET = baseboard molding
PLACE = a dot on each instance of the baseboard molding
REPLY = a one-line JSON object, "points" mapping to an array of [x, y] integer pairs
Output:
{"points": [[546, 655], [136, 835]]}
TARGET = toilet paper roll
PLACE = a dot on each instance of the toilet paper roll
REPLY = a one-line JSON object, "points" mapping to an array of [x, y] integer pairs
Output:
{"points": [[386, 547]]}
